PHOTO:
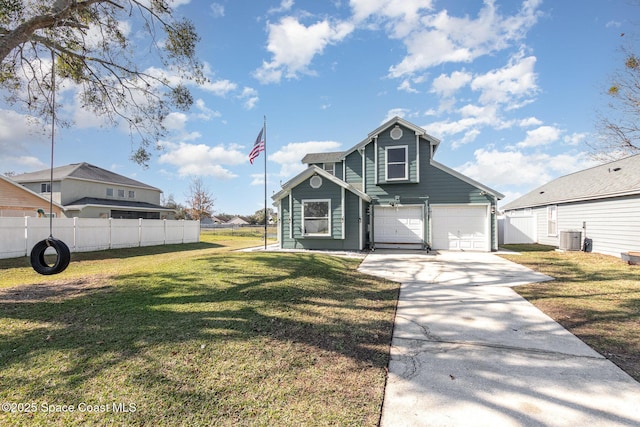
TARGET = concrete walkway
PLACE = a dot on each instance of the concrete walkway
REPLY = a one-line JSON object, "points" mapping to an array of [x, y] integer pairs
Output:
{"points": [[467, 350]]}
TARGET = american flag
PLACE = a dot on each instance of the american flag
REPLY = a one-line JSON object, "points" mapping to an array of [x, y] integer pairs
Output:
{"points": [[258, 146]]}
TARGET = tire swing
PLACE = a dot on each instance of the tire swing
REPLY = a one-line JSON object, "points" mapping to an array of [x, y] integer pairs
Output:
{"points": [[38, 261], [63, 254]]}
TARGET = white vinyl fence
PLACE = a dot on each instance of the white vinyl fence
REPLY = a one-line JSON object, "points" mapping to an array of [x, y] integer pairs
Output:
{"points": [[519, 229], [19, 235]]}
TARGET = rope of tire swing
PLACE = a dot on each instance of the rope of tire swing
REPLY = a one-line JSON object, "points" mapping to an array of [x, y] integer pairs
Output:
{"points": [[38, 260]]}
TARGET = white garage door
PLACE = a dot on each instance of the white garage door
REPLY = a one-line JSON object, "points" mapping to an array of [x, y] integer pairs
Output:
{"points": [[398, 226], [460, 228]]}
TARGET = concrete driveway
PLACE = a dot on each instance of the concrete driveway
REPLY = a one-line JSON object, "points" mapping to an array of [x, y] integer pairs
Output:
{"points": [[467, 350]]}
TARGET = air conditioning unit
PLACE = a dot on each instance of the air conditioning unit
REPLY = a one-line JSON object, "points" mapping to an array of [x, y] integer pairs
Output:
{"points": [[571, 240]]}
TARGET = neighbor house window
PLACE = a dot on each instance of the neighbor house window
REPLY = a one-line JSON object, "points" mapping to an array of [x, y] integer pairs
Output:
{"points": [[330, 167], [132, 194], [552, 220], [397, 164], [109, 192], [120, 193], [316, 220], [45, 187]]}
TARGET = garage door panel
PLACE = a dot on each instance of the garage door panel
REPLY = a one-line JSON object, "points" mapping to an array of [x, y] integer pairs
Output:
{"points": [[460, 228], [398, 225]]}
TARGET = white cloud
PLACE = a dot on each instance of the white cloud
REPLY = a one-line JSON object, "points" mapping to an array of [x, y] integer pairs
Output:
{"points": [[294, 45], [175, 121], [20, 164], [203, 160], [575, 138], [508, 169], [220, 87], [469, 136], [289, 157], [406, 87], [529, 121], [399, 17], [217, 10], [508, 84], [542, 135], [19, 136], [250, 97], [205, 112], [399, 112], [444, 85], [442, 38], [283, 7], [473, 117]]}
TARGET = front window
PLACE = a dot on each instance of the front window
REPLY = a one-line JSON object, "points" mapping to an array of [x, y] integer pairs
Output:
{"points": [[552, 220], [45, 188], [132, 194], [109, 192], [316, 217], [397, 165], [120, 193]]}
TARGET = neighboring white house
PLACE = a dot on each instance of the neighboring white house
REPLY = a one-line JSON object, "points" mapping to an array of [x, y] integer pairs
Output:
{"points": [[601, 203], [88, 191]]}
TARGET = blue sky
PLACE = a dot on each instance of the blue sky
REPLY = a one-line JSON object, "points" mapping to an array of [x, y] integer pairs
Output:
{"points": [[511, 88]]}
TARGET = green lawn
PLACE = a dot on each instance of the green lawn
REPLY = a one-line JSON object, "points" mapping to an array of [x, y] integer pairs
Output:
{"points": [[596, 297], [194, 335]]}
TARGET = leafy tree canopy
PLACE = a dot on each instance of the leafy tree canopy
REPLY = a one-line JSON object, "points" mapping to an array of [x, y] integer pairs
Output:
{"points": [[137, 79]]}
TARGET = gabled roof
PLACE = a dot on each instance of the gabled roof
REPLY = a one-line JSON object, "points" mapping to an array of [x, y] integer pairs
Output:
{"points": [[26, 190], [397, 121], [309, 172], [81, 171], [329, 157], [128, 204], [236, 220], [614, 179], [337, 156]]}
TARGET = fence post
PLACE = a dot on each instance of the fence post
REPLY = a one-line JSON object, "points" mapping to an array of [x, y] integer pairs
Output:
{"points": [[75, 234], [26, 235], [139, 232]]}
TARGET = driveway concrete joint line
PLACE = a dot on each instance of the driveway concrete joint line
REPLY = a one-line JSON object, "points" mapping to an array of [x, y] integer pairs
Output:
{"points": [[467, 350]]}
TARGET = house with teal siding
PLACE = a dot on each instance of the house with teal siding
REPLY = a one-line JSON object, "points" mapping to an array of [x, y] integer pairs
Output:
{"points": [[386, 192]]}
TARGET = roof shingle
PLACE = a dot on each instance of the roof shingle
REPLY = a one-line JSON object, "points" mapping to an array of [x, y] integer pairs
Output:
{"points": [[618, 178], [83, 171]]}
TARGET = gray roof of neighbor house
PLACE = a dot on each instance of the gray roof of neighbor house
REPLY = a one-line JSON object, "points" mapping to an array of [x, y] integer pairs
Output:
{"points": [[93, 201], [81, 171], [614, 179]]}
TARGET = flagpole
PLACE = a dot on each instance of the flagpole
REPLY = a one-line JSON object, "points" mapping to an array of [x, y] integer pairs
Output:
{"points": [[264, 127]]}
